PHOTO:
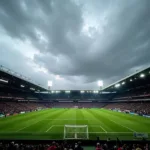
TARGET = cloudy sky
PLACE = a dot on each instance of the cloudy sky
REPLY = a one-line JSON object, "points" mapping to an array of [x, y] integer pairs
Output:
{"points": [[75, 43]]}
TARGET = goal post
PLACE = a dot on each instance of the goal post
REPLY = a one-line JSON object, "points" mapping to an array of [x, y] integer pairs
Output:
{"points": [[76, 132]]}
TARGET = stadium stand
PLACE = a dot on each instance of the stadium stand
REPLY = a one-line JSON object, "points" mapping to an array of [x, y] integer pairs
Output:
{"points": [[138, 107], [141, 93], [10, 108], [77, 105]]}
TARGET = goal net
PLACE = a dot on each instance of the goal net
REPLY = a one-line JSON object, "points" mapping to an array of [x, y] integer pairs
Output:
{"points": [[76, 132]]}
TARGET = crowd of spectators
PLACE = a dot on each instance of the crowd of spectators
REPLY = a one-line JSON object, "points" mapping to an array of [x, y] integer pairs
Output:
{"points": [[17, 107], [77, 105], [73, 146], [141, 108], [9, 108], [134, 94]]}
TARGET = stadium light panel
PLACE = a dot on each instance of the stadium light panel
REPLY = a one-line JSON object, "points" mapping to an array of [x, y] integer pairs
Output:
{"points": [[82, 92], [123, 83], [2, 80], [32, 89], [130, 80], [117, 85], [67, 92], [50, 83], [95, 92], [100, 83], [142, 75], [22, 86]]}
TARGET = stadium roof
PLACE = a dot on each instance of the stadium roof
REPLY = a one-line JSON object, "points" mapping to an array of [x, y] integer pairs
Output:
{"points": [[136, 80], [12, 80]]}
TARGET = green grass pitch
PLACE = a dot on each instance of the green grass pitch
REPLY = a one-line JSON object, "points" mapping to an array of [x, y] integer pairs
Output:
{"points": [[49, 124]]}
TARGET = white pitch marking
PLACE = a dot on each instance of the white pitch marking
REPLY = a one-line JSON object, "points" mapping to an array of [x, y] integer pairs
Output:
{"points": [[28, 126], [112, 132], [49, 128], [100, 127], [103, 128], [67, 119], [123, 126], [82, 132], [53, 126]]}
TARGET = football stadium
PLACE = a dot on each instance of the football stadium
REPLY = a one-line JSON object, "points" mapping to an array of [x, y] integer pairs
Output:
{"points": [[30, 112], [74, 74]]}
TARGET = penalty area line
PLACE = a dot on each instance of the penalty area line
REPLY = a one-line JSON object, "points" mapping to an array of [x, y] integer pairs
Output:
{"points": [[53, 126], [28, 125], [100, 127], [123, 126], [59, 119], [113, 132], [49, 128], [103, 129]]}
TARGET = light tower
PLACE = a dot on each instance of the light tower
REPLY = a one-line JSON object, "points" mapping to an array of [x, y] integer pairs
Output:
{"points": [[100, 85], [50, 83]]}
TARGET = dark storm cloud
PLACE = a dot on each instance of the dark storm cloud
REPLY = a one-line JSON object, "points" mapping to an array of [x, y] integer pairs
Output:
{"points": [[17, 62], [82, 40]]}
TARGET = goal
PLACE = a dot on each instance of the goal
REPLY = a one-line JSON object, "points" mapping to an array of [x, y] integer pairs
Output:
{"points": [[76, 132]]}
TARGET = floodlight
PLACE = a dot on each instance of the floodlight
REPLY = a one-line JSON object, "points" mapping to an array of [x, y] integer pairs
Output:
{"points": [[142, 75], [100, 83], [117, 85], [33, 89], [50, 83], [22, 86], [130, 80], [67, 92], [82, 91], [95, 92], [2, 80], [123, 83]]}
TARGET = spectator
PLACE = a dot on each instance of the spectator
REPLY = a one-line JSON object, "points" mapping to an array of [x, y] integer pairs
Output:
{"points": [[98, 147], [78, 146], [52, 147], [65, 146], [138, 147]]}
